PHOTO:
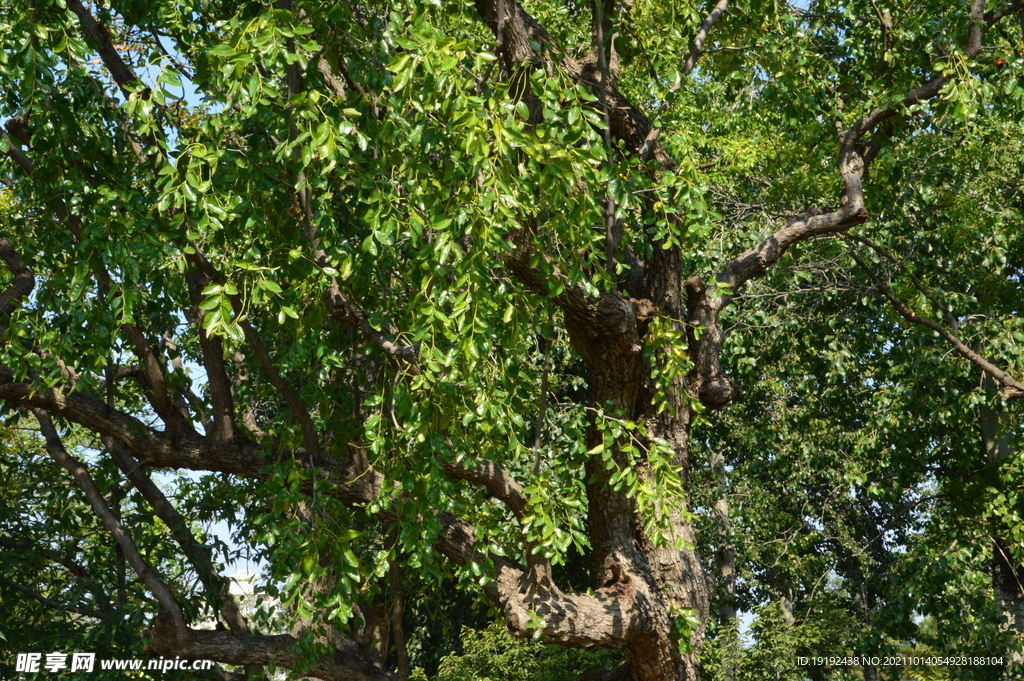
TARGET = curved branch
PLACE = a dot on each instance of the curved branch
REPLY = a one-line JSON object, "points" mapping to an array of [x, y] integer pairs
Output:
{"points": [[706, 303], [756, 260], [875, 117], [855, 155], [980, 23], [493, 477], [347, 662]]}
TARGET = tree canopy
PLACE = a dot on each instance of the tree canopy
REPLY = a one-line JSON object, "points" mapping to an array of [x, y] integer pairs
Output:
{"points": [[607, 321]]}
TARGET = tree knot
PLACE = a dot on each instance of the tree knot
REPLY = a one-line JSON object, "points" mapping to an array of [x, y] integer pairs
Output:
{"points": [[645, 312]]}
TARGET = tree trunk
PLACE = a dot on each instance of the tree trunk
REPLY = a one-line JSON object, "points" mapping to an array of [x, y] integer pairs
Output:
{"points": [[726, 559], [1007, 579], [668, 583], [1007, 575]]}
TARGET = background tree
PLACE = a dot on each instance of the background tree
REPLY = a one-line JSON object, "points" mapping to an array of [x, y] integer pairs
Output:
{"points": [[920, 502], [409, 281]]}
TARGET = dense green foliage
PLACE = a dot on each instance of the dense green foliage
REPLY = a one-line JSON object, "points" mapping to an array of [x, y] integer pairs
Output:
{"points": [[491, 654], [877, 503], [310, 263]]}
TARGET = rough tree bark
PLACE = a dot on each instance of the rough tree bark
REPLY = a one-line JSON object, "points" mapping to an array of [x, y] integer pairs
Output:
{"points": [[607, 332], [1007, 573]]}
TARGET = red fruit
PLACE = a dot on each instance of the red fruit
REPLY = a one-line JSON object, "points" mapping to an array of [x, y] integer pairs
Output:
{"points": [[1000, 62]]}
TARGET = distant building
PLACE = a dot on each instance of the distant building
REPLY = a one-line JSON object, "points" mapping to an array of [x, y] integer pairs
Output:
{"points": [[242, 585]]}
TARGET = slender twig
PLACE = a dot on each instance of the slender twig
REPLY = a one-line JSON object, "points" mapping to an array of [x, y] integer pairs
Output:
{"points": [[1012, 388]]}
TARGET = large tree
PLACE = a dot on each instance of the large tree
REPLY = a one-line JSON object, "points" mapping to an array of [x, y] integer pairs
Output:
{"points": [[430, 286]]}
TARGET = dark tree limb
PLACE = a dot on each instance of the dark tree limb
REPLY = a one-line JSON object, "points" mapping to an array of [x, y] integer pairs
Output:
{"points": [[103, 602], [187, 401], [572, 301], [259, 348], [55, 448], [520, 29], [99, 38], [348, 662], [1006, 10], [697, 49], [155, 380], [16, 154], [49, 602], [119, 374], [340, 307], [345, 311], [951, 320], [397, 604], [212, 350], [24, 282], [503, 487], [249, 414], [352, 482], [197, 554]]}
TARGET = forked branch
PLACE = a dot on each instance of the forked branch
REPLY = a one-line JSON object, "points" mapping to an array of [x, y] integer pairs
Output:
{"points": [[55, 448], [197, 554]]}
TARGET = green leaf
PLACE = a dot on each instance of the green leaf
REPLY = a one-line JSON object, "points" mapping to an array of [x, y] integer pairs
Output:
{"points": [[270, 285]]}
